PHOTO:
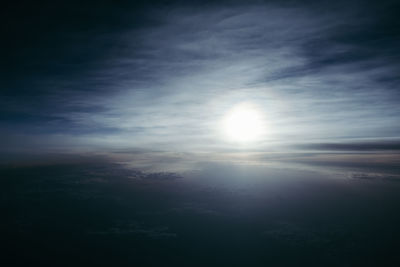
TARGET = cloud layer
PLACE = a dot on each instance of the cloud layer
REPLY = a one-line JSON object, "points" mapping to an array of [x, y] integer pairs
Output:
{"points": [[165, 79]]}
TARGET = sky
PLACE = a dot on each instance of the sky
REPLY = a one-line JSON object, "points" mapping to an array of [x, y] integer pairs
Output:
{"points": [[144, 76], [200, 133]]}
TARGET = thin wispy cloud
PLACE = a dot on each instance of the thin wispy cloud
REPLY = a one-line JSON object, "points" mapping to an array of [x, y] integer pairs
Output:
{"points": [[168, 83]]}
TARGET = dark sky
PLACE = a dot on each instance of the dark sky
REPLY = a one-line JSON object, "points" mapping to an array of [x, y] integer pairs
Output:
{"points": [[199, 133], [160, 75]]}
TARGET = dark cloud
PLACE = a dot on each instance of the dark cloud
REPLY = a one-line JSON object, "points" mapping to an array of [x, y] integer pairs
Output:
{"points": [[98, 213], [374, 176], [136, 229], [383, 163], [357, 146]]}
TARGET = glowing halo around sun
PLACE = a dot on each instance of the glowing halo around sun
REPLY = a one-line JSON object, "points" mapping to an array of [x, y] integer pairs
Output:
{"points": [[243, 124]]}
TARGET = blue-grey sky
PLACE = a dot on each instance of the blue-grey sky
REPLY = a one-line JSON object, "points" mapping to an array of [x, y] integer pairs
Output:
{"points": [[162, 76], [200, 133]]}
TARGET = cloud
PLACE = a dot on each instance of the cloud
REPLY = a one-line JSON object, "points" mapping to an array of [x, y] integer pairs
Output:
{"points": [[357, 146], [298, 235], [374, 176], [123, 228], [161, 77]]}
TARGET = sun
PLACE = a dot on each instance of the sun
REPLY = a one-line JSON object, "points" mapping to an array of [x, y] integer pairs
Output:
{"points": [[243, 123]]}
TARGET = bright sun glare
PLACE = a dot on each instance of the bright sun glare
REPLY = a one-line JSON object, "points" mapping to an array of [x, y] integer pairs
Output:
{"points": [[243, 124]]}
